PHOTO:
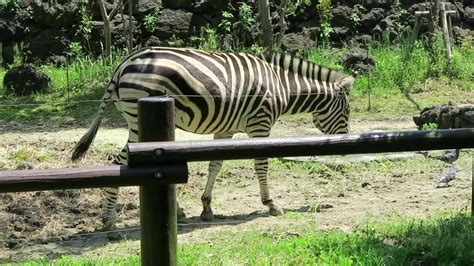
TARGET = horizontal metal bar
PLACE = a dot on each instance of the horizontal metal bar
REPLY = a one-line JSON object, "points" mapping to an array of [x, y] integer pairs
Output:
{"points": [[205, 150], [106, 176]]}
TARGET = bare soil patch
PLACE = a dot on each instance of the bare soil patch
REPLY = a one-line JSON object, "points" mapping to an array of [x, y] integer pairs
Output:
{"points": [[52, 223]]}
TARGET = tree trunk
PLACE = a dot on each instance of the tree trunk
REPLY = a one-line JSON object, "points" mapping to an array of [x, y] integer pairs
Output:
{"points": [[281, 23], [130, 27], [264, 11], [107, 30]]}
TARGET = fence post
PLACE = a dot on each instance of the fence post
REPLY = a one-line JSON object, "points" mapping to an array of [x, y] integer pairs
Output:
{"points": [[157, 202]]}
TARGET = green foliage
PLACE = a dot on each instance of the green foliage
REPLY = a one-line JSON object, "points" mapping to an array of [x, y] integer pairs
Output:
{"points": [[85, 25], [23, 156], [446, 240], [175, 41], [149, 21], [247, 17], [226, 23], [13, 4], [399, 15], [356, 15], [75, 49], [324, 7], [430, 126], [293, 6], [207, 39]]}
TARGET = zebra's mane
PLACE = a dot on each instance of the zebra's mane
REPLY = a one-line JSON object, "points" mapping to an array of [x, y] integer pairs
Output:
{"points": [[303, 67]]}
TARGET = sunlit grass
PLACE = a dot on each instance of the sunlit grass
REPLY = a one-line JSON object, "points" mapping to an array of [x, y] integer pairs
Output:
{"points": [[382, 93], [446, 239]]}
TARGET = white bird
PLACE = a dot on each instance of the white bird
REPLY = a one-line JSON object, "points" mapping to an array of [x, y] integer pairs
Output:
{"points": [[448, 175], [451, 156]]}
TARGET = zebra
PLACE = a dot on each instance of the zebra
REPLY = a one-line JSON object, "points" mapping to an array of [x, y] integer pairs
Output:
{"points": [[222, 94]]}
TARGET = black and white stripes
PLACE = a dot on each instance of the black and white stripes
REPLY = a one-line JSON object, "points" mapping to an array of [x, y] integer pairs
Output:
{"points": [[223, 94]]}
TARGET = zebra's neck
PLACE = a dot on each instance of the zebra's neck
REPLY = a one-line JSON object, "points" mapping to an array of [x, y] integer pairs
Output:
{"points": [[308, 85]]}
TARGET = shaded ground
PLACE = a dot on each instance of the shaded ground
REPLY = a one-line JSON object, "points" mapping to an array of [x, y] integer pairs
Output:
{"points": [[51, 223]]}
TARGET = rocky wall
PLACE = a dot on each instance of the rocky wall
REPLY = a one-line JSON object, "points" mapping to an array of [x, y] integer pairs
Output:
{"points": [[46, 32]]}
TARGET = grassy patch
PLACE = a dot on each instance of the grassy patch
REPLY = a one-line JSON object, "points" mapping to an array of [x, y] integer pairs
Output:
{"points": [[447, 239], [396, 87]]}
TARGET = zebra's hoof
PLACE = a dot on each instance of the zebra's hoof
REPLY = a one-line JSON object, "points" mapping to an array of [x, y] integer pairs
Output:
{"points": [[207, 216], [276, 210]]}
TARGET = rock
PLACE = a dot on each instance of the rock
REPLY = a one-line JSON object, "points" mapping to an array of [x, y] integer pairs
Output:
{"points": [[447, 116], [360, 40], [205, 6], [119, 37], [12, 24], [341, 16], [155, 41], [50, 45], [372, 18], [312, 32], [25, 80], [378, 3], [469, 14], [143, 7], [173, 23], [8, 54], [358, 62], [461, 34], [60, 15], [340, 34], [294, 42], [177, 4]]}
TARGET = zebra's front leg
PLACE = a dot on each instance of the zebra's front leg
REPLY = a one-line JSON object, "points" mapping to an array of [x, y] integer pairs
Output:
{"points": [[261, 168], [214, 169]]}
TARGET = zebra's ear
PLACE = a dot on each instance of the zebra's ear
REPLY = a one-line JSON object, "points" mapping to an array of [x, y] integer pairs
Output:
{"points": [[346, 83]]}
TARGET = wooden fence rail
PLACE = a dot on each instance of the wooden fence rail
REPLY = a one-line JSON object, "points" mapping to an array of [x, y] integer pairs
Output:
{"points": [[157, 166], [226, 149]]}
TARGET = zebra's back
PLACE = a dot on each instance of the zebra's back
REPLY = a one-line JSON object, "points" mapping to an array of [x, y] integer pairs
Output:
{"points": [[213, 92]]}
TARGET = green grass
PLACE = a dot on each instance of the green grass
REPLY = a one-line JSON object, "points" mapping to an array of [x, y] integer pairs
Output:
{"points": [[447, 239], [83, 80], [393, 78]]}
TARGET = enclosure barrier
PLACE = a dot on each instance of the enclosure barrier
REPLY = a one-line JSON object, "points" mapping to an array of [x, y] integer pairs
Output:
{"points": [[157, 166]]}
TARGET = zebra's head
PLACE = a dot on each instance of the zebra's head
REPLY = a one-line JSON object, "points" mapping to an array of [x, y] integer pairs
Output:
{"points": [[333, 117]]}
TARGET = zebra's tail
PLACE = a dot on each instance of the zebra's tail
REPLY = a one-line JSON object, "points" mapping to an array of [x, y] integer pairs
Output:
{"points": [[85, 142]]}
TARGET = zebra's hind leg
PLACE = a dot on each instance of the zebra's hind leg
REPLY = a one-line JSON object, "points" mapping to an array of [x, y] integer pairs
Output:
{"points": [[109, 214], [261, 168], [214, 169]]}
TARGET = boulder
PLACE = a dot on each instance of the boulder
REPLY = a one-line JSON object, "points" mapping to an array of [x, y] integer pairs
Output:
{"points": [[50, 45], [378, 3], [358, 62], [341, 16], [447, 116], [461, 34], [340, 34], [60, 15], [8, 54], [362, 40], [12, 24], [177, 4], [205, 6], [117, 25], [293, 42], [173, 23], [469, 14], [372, 18], [25, 80]]}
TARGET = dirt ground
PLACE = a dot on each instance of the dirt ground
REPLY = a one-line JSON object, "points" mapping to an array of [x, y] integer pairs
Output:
{"points": [[49, 224]]}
